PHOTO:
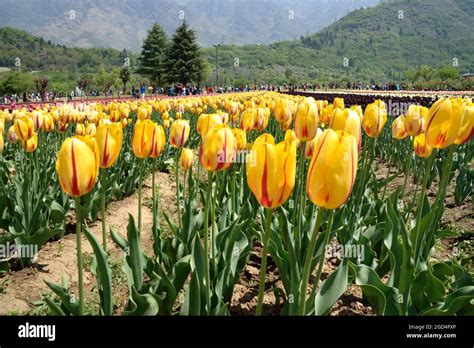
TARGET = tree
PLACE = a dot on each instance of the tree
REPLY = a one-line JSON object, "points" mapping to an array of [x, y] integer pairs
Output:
{"points": [[83, 83], [184, 62], [153, 55], [16, 83], [41, 84], [125, 77]]}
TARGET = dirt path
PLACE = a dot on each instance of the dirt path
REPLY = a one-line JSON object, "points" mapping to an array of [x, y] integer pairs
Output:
{"points": [[58, 258]]}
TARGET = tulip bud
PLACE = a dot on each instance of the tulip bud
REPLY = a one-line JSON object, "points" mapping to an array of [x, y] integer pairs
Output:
{"points": [[80, 129], [309, 145], [333, 168], [218, 148], [166, 123], [206, 122], [158, 142], [109, 141], [179, 133], [338, 103], [24, 127], [142, 112], [48, 123], [398, 128], [38, 119], [467, 127], [247, 120], [415, 120], [422, 149], [12, 137], [260, 120], [241, 137], [374, 119], [142, 138], [186, 159], [306, 121], [291, 136], [77, 165], [31, 144], [2, 144], [444, 122], [271, 171]]}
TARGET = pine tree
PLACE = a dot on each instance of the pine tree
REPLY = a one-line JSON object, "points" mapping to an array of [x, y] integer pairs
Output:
{"points": [[184, 62], [152, 58]]}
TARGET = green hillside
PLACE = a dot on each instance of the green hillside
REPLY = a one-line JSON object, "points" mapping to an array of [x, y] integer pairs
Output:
{"points": [[380, 43]]}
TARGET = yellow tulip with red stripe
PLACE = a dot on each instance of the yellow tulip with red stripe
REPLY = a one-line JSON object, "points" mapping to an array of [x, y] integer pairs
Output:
{"points": [[444, 122], [338, 103], [271, 171], [467, 127], [306, 120], [38, 119], [332, 170], [398, 128], [11, 135], [283, 110], [241, 137], [186, 159], [24, 127], [31, 144], [415, 120], [218, 148], [158, 142], [109, 140], [206, 122], [349, 121], [247, 120], [77, 165], [142, 138], [309, 145], [422, 149], [290, 135], [179, 133], [374, 119], [260, 120], [2, 143]]}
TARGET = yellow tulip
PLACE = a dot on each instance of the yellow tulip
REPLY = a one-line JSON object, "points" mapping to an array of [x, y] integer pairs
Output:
{"points": [[241, 137], [260, 120], [24, 127], [80, 129], [142, 138], [48, 123], [398, 128], [247, 120], [332, 170], [91, 129], [38, 119], [166, 123], [374, 119], [271, 171], [422, 149], [12, 137], [186, 159], [349, 121], [218, 148], [415, 120], [179, 133], [206, 122], [306, 120], [2, 143], [290, 135], [283, 110], [109, 141], [309, 145], [467, 127], [31, 144], [77, 165], [444, 122], [158, 142], [338, 103], [142, 112]]}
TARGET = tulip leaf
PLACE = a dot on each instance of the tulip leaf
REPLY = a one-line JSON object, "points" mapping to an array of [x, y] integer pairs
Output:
{"points": [[331, 289]]}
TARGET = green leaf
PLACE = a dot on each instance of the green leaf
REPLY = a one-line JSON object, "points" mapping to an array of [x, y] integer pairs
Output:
{"points": [[331, 289], [104, 275]]}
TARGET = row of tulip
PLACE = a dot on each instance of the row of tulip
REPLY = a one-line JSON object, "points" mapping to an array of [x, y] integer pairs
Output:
{"points": [[210, 246]]}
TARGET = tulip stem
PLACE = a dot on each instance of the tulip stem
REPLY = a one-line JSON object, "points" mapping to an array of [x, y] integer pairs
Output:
{"points": [[308, 260], [79, 255], [140, 184], [177, 187], [102, 206], [153, 194], [419, 211], [408, 168], [298, 202], [439, 202], [263, 265], [206, 241]]}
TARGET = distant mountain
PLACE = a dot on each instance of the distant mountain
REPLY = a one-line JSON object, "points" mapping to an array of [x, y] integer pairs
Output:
{"points": [[124, 23], [379, 43]]}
